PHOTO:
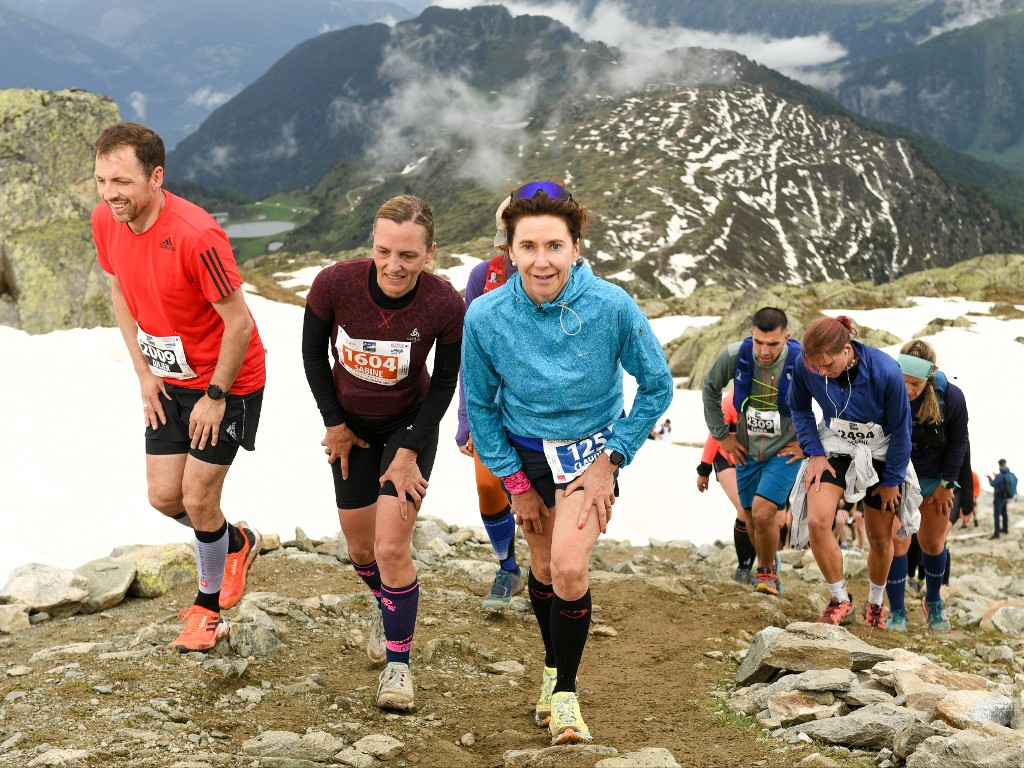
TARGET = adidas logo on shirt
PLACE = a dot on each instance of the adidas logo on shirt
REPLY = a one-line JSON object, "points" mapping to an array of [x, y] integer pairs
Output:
{"points": [[167, 244]]}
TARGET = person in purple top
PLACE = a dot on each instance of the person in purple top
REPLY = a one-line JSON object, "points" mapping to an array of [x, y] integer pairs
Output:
{"points": [[495, 510]]}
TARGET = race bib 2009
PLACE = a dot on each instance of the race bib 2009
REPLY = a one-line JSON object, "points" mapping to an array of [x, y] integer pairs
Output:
{"points": [[165, 356], [383, 362], [568, 458]]}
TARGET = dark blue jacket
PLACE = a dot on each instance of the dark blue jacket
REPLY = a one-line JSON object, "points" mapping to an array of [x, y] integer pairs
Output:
{"points": [[878, 395], [945, 461]]}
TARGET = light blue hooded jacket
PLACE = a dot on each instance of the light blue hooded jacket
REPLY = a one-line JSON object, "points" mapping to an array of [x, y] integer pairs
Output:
{"points": [[555, 371]]}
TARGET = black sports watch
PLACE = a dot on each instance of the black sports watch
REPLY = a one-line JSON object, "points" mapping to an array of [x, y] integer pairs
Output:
{"points": [[215, 393], [946, 483], [615, 458]]}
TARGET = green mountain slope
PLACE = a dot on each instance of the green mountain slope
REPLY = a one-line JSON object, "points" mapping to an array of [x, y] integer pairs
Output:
{"points": [[965, 88]]}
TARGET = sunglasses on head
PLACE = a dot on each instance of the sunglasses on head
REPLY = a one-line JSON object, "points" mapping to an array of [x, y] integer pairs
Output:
{"points": [[553, 190]]}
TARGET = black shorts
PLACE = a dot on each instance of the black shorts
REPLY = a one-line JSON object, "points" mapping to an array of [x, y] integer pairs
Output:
{"points": [[721, 463], [536, 467], [842, 463], [366, 465], [237, 429]]}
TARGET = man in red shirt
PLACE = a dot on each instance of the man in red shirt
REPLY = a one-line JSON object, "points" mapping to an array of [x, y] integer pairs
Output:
{"points": [[195, 348]]}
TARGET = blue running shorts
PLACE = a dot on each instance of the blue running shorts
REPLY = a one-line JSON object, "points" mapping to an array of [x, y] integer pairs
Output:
{"points": [[772, 480]]}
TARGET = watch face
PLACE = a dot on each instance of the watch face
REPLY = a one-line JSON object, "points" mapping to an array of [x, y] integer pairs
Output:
{"points": [[214, 392], [616, 458]]}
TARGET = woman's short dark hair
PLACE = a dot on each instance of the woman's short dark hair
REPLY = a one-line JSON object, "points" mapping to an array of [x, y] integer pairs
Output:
{"points": [[572, 213], [148, 146]]}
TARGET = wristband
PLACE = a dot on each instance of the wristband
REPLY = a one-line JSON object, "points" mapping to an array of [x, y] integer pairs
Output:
{"points": [[704, 469], [516, 484]]}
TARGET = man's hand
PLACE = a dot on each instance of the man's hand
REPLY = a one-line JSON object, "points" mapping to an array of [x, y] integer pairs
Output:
{"points": [[703, 483], [731, 445], [405, 473], [153, 387], [338, 443], [793, 450], [204, 422]]}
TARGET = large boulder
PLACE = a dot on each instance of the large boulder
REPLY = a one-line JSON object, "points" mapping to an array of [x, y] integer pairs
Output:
{"points": [[49, 278]]}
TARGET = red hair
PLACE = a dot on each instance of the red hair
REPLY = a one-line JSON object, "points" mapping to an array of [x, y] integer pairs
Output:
{"points": [[827, 336]]}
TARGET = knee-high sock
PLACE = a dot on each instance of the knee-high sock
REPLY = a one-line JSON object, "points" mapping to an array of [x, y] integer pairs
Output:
{"points": [[183, 518], [501, 530], [570, 622], [370, 574], [541, 596], [914, 559], [896, 584], [945, 575], [399, 607], [745, 552], [934, 568], [211, 554]]}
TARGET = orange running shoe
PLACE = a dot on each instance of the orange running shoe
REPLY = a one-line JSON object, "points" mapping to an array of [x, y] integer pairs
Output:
{"points": [[203, 628], [837, 612], [874, 616], [236, 568], [766, 583]]}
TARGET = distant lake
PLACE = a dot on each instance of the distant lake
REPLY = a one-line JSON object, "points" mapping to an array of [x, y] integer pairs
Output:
{"points": [[258, 229]]}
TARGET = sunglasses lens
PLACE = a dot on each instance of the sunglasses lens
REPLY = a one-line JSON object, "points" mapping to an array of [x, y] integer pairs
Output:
{"points": [[551, 189]]}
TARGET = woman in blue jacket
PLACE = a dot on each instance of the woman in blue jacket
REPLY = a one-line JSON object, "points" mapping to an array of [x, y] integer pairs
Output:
{"points": [[543, 362], [861, 450], [939, 443]]}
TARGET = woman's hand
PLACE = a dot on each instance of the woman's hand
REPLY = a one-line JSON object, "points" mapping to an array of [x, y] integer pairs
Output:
{"points": [[467, 449], [528, 510], [890, 496], [405, 473], [598, 484], [943, 500], [338, 443], [817, 466]]}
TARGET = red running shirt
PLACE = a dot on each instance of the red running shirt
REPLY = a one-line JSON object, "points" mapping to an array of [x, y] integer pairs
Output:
{"points": [[170, 276], [380, 355]]}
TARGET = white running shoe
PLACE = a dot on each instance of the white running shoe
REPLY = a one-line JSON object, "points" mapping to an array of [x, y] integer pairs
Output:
{"points": [[395, 688], [567, 726]]}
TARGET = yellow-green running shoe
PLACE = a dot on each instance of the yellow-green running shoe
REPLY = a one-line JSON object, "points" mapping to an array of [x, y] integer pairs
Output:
{"points": [[567, 726], [542, 714]]}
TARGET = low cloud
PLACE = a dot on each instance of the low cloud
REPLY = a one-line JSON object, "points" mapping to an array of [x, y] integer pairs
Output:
{"points": [[430, 110], [609, 23], [138, 101], [967, 13], [208, 98]]}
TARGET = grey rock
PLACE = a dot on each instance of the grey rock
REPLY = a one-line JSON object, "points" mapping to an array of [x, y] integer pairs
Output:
{"points": [[353, 758], [907, 739], [985, 745], [962, 708], [56, 591], [817, 760], [226, 668], [273, 744], [14, 618], [380, 746], [871, 727], [1009, 620], [71, 649], [553, 757], [302, 542], [253, 640], [61, 757], [109, 580], [651, 757], [825, 680], [427, 529], [507, 667], [49, 276], [159, 567]]}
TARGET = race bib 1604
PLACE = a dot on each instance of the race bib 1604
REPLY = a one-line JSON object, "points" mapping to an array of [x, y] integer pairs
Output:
{"points": [[383, 362]]}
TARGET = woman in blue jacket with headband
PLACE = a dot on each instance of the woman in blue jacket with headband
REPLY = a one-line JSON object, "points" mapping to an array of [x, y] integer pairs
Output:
{"points": [[861, 450], [543, 361]]}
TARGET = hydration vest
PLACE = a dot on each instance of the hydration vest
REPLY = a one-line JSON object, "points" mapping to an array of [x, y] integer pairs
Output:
{"points": [[497, 273], [743, 380]]}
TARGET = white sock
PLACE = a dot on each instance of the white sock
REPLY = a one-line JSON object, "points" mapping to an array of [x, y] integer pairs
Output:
{"points": [[875, 593], [839, 592]]}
